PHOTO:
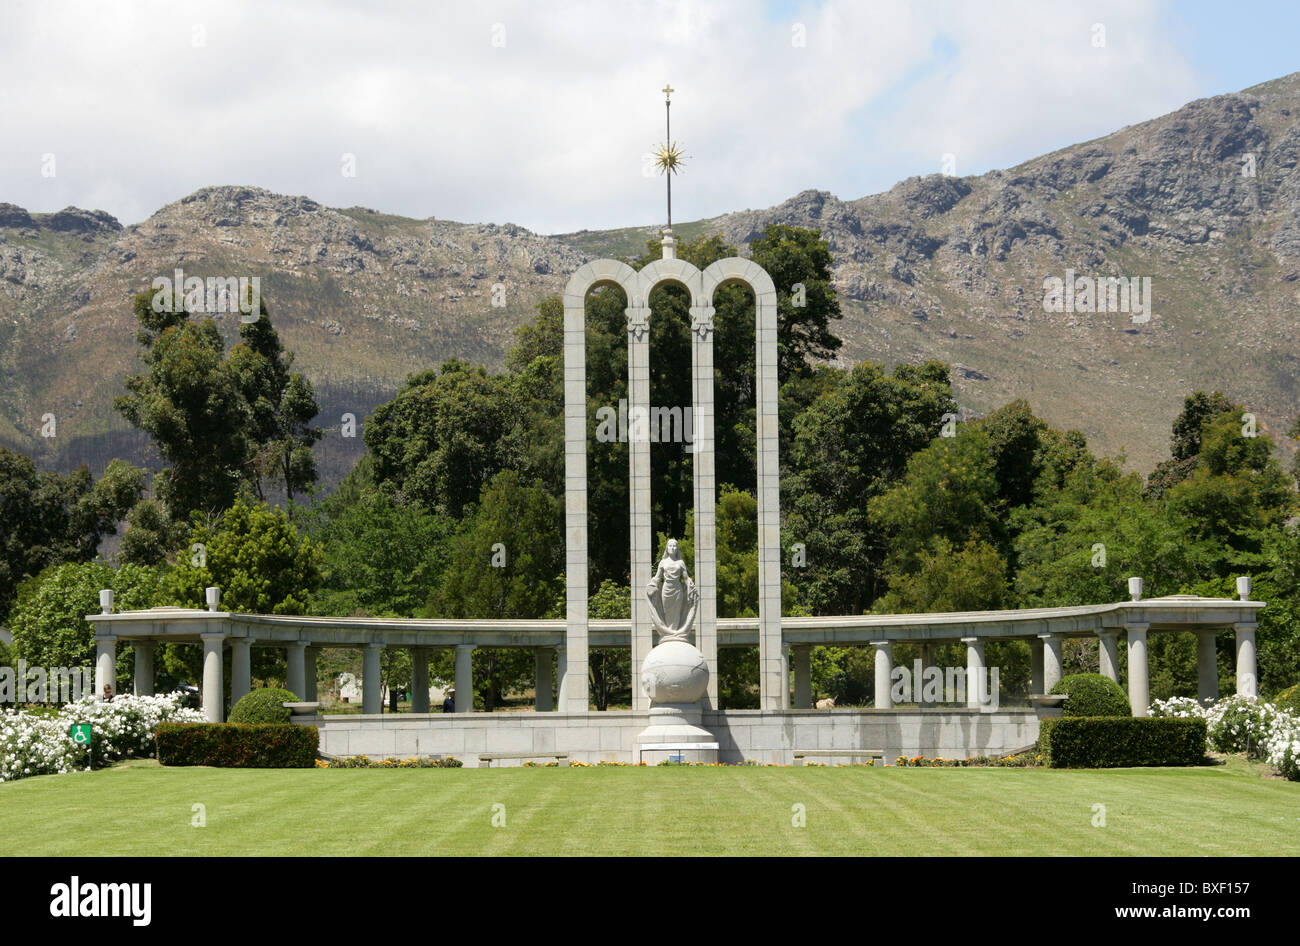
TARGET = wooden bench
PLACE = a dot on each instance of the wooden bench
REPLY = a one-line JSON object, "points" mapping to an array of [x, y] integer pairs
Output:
{"points": [[485, 758], [873, 754]]}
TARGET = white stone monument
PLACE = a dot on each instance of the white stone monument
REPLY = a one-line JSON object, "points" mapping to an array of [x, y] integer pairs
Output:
{"points": [[675, 675], [637, 287]]}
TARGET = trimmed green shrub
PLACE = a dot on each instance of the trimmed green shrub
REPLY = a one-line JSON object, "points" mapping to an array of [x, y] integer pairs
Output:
{"points": [[1091, 694], [238, 746], [1098, 742], [263, 706]]}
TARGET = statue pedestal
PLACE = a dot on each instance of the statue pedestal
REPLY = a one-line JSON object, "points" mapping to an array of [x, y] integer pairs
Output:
{"points": [[675, 733], [675, 678]]}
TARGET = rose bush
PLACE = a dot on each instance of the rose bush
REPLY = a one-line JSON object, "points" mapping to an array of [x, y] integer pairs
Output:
{"points": [[122, 728]]}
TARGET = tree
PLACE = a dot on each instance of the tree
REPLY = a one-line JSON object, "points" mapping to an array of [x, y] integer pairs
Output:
{"points": [[946, 577], [47, 519], [49, 619], [610, 668], [380, 557], [1232, 498], [188, 402], [1294, 433], [1081, 541], [443, 437], [257, 558], [219, 421], [280, 405], [796, 257], [851, 444], [1185, 439], [151, 535], [507, 562]]}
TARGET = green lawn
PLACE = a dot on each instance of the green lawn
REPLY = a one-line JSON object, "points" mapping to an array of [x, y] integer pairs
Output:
{"points": [[141, 808]]}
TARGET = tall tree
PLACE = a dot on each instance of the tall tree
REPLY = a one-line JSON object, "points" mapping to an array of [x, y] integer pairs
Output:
{"points": [[220, 421], [444, 436], [280, 405], [188, 401], [851, 444]]}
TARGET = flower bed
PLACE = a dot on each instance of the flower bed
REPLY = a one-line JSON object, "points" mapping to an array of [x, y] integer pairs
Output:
{"points": [[365, 762], [122, 728], [1240, 724]]}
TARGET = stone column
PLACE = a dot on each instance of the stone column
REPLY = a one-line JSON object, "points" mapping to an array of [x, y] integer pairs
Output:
{"points": [[1139, 691], [641, 554], [213, 695], [372, 685], [419, 680], [573, 690], [465, 678], [1207, 667], [705, 491], [802, 659], [309, 693], [976, 677], [143, 667], [1036, 666], [543, 700], [884, 666], [927, 661], [775, 693], [295, 677], [561, 668], [241, 669], [105, 664], [1051, 661], [1247, 682], [1108, 654]]}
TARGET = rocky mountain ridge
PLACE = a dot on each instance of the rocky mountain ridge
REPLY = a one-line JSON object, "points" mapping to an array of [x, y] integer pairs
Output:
{"points": [[1203, 202]]}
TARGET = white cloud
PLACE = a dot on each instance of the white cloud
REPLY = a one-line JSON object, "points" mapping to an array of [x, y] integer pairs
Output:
{"points": [[549, 130]]}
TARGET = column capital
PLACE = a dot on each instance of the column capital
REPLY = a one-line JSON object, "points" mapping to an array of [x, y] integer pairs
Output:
{"points": [[638, 321], [464, 647], [212, 635], [971, 640], [702, 321], [104, 638], [1136, 627], [1109, 632], [374, 645], [1049, 636], [880, 643], [297, 643], [1245, 626]]}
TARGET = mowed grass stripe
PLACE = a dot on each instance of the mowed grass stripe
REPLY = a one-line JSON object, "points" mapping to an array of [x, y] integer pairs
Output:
{"points": [[141, 808]]}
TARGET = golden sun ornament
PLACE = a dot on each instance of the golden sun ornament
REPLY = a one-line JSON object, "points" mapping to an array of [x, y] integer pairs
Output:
{"points": [[669, 158]]}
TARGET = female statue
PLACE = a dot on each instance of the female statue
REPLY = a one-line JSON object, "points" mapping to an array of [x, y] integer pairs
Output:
{"points": [[672, 596]]}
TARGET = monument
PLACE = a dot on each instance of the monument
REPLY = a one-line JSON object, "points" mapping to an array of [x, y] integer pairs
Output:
{"points": [[675, 676]]}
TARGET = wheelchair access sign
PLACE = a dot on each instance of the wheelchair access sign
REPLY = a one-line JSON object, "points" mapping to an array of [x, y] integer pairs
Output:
{"points": [[80, 733]]}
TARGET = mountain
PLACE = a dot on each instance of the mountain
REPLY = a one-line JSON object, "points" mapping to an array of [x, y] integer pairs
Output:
{"points": [[1203, 202]]}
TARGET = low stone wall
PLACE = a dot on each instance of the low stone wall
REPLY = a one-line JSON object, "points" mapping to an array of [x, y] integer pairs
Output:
{"points": [[760, 735]]}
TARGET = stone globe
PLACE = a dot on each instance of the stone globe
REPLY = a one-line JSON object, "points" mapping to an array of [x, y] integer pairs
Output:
{"points": [[674, 672]]}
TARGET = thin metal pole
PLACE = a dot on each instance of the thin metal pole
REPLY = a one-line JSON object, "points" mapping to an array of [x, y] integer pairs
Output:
{"points": [[668, 130]]}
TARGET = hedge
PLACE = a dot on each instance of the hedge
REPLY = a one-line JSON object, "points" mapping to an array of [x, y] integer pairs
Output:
{"points": [[237, 745], [1096, 742], [1091, 694]]}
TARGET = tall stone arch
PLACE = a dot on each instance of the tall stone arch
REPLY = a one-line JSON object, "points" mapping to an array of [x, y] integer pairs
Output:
{"points": [[573, 690], [772, 661], [637, 287]]}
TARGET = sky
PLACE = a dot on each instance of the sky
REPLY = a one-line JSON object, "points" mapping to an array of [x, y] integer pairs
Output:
{"points": [[543, 114]]}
